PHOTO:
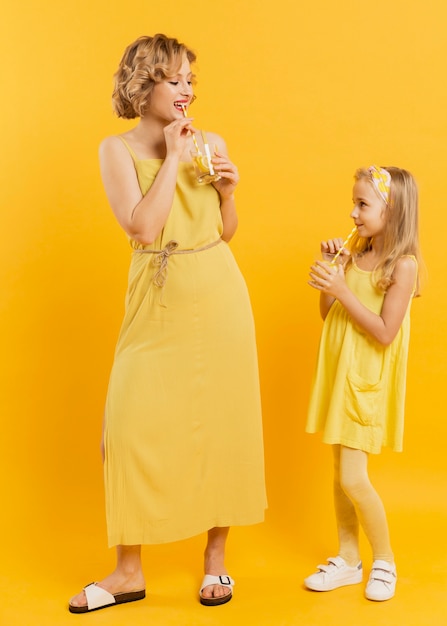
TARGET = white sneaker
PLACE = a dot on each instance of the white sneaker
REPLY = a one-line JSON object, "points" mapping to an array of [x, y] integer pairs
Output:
{"points": [[382, 581], [337, 573]]}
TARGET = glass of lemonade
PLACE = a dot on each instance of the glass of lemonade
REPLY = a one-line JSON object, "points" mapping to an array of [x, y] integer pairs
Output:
{"points": [[201, 159]]}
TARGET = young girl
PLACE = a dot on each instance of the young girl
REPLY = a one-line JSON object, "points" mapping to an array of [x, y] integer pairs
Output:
{"points": [[358, 393], [182, 430]]}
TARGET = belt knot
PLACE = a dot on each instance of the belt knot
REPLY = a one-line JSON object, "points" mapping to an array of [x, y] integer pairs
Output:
{"points": [[161, 257], [161, 260]]}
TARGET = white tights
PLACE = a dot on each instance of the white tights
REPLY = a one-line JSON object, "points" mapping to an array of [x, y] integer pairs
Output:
{"points": [[356, 501]]}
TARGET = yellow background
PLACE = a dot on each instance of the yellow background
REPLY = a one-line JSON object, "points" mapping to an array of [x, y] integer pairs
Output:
{"points": [[303, 93]]}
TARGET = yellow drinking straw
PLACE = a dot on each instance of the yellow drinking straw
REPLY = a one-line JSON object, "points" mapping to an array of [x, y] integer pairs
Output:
{"points": [[185, 113], [345, 243]]}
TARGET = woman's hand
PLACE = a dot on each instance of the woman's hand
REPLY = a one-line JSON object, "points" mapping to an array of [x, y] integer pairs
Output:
{"points": [[228, 173], [176, 136]]}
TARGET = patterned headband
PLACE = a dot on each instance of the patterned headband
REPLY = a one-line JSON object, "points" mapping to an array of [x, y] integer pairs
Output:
{"points": [[381, 180]]}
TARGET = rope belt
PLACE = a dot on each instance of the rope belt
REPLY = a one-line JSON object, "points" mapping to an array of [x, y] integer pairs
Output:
{"points": [[161, 258]]}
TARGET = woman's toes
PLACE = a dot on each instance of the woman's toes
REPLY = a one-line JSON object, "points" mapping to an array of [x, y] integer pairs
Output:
{"points": [[79, 600], [215, 591]]}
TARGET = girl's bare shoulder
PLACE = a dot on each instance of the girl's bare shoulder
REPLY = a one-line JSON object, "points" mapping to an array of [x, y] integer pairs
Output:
{"points": [[407, 264]]}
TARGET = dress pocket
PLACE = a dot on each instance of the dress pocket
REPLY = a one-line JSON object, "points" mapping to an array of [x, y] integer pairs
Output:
{"points": [[364, 400]]}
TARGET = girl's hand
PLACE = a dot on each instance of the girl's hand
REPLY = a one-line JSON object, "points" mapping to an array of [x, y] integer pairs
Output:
{"points": [[330, 248], [327, 278], [228, 173], [176, 136]]}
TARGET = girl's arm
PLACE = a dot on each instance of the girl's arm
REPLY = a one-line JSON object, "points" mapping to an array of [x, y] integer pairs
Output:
{"points": [[384, 327], [142, 217], [225, 186], [326, 301]]}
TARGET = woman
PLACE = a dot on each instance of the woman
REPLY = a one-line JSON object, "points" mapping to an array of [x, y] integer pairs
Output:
{"points": [[182, 430]]}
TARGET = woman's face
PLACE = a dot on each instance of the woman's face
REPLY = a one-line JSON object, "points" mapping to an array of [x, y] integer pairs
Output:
{"points": [[168, 96]]}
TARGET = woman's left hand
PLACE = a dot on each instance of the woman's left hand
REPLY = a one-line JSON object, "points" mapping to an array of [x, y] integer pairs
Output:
{"points": [[229, 175]]}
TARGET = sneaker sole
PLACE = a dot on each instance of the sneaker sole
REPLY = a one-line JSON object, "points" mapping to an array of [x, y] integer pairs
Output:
{"points": [[334, 585], [377, 599]]}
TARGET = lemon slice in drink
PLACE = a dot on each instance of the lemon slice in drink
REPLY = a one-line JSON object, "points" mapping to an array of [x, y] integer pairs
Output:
{"points": [[202, 163]]}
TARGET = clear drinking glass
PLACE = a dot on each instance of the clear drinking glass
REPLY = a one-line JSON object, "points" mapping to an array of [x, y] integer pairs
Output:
{"points": [[201, 159]]}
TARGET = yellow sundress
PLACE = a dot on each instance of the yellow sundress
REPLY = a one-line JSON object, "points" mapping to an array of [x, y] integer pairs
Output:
{"points": [[358, 393], [183, 434]]}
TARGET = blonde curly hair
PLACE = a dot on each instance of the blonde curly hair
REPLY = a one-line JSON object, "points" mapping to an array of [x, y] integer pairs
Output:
{"points": [[145, 62]]}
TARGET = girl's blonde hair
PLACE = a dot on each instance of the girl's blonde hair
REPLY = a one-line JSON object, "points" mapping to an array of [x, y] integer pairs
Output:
{"points": [[401, 231], [145, 62]]}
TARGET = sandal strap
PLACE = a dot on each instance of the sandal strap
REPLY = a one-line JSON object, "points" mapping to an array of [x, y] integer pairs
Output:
{"points": [[97, 596], [224, 580]]}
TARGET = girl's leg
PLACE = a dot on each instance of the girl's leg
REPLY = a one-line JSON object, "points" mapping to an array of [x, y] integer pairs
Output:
{"points": [[346, 516], [370, 511], [346, 568], [128, 575], [215, 561]]}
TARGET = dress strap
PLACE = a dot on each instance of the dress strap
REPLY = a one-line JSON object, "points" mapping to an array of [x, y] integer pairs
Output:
{"points": [[132, 153], [411, 256]]}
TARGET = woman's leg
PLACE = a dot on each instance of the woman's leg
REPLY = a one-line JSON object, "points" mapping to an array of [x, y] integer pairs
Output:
{"points": [[370, 511], [128, 575], [215, 561], [346, 516]]}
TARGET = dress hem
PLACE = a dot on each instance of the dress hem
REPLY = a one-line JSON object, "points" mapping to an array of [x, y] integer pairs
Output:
{"points": [[133, 541], [355, 444]]}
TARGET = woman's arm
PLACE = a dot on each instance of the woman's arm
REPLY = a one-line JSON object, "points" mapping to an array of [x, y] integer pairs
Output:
{"points": [[142, 217], [225, 186], [384, 327]]}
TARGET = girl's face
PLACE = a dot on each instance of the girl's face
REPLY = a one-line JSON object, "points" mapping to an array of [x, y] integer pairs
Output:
{"points": [[167, 96], [369, 212]]}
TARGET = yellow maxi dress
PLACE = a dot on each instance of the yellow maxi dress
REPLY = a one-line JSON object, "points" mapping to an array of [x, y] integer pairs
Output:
{"points": [[358, 394], [183, 432]]}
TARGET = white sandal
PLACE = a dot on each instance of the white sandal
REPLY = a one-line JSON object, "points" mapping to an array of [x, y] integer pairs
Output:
{"points": [[223, 581], [99, 598]]}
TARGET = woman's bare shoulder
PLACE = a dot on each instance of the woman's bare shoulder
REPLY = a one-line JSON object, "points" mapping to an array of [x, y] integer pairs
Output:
{"points": [[216, 140], [111, 143]]}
